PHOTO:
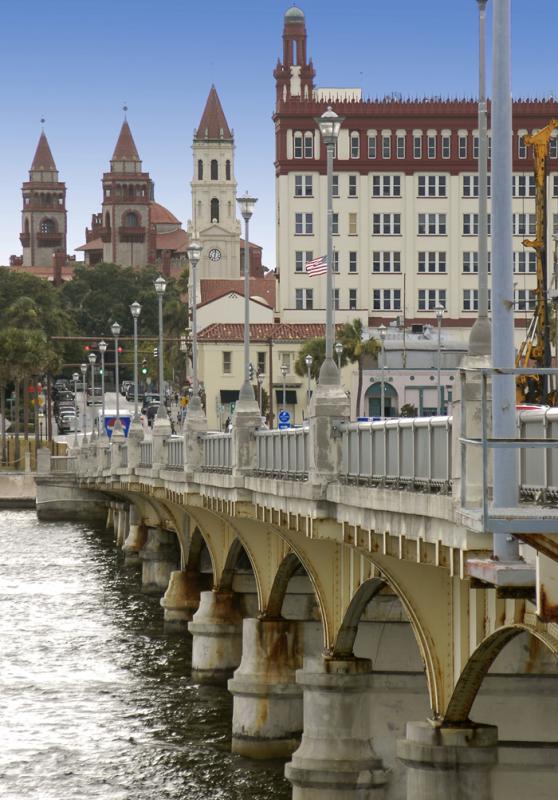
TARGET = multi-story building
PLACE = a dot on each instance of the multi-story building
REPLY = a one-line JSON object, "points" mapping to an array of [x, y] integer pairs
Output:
{"points": [[405, 204]]}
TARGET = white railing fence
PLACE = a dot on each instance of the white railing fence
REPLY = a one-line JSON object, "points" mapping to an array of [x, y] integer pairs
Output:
{"points": [[217, 455], [283, 453], [146, 454], [62, 465], [175, 452]]}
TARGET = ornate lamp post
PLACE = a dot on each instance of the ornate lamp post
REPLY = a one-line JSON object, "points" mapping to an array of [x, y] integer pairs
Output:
{"points": [[75, 378], [160, 287], [308, 361], [93, 361], [439, 316], [102, 351], [115, 329], [284, 369], [329, 124], [194, 254], [83, 370], [382, 330], [135, 310], [246, 205]]}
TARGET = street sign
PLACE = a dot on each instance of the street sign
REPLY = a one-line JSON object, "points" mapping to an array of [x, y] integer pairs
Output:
{"points": [[284, 416], [284, 425]]}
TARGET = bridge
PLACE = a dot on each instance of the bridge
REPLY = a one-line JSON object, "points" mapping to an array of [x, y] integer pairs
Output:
{"points": [[344, 580]]}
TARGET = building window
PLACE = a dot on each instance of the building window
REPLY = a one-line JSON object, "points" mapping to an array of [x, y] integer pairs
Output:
{"points": [[227, 170], [308, 145], [470, 299], [372, 147], [432, 261], [297, 148], [200, 169], [227, 362], [352, 299], [471, 224], [446, 146], [302, 257], [471, 185], [553, 148], [304, 299], [400, 146], [261, 362], [554, 183], [471, 261], [353, 261], [524, 299], [386, 261], [285, 360], [355, 144], [214, 170], [303, 185], [386, 186], [489, 154], [335, 186], [432, 186], [131, 220], [304, 224], [48, 226], [476, 147], [521, 146], [386, 146], [428, 299], [431, 141], [353, 185], [525, 261], [386, 300], [336, 299], [417, 146], [335, 224], [462, 147], [386, 224], [523, 185], [214, 210], [432, 225], [353, 223], [336, 261], [524, 224]]}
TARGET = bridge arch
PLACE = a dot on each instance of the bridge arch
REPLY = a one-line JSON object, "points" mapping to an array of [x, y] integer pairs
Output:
{"points": [[345, 640], [479, 663]]}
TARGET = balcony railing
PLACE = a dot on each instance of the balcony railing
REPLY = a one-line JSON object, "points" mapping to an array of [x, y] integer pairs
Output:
{"points": [[217, 452], [282, 454], [128, 233], [175, 452]]}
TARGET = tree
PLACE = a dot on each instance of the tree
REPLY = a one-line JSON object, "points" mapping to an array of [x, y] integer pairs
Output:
{"points": [[357, 348], [316, 349]]}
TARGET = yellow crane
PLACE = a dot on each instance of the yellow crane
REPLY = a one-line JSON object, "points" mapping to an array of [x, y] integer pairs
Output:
{"points": [[535, 347]]}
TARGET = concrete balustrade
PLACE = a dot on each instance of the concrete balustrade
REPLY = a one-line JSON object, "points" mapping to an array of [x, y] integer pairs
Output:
{"points": [[159, 557], [216, 629]]}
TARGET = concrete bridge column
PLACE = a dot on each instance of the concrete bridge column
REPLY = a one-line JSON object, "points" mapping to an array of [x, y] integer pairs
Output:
{"points": [[216, 629], [267, 708], [336, 760], [110, 516], [182, 598], [136, 538], [159, 557], [122, 529], [448, 763]]}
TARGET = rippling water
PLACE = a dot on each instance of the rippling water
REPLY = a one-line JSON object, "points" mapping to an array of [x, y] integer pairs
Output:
{"points": [[95, 699]]}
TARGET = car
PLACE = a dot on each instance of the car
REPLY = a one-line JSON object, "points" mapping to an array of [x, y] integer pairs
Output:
{"points": [[65, 407], [151, 413], [67, 422], [97, 400], [130, 395], [148, 399], [124, 386]]}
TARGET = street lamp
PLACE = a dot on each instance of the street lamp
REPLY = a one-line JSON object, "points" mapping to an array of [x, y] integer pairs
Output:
{"points": [[83, 370], [284, 370], [115, 329], [160, 286], [102, 351], [339, 351], [382, 330], [260, 378], [92, 361], [329, 125], [194, 255], [439, 316], [75, 378], [246, 204], [135, 310], [308, 361]]}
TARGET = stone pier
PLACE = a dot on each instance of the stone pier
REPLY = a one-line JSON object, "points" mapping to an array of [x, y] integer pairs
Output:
{"points": [[182, 598], [217, 637], [159, 557], [135, 539]]}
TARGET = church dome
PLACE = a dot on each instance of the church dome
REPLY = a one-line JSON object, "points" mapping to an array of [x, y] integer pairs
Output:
{"points": [[161, 215], [294, 14]]}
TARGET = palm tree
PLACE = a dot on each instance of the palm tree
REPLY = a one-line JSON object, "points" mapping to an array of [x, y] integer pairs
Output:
{"points": [[356, 348]]}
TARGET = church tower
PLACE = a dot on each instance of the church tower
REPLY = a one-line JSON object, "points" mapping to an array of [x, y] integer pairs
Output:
{"points": [[294, 77], [127, 193], [43, 218], [214, 194]]}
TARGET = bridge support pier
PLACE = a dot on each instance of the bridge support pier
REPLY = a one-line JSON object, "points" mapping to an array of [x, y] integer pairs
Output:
{"points": [[181, 599], [110, 516], [121, 528], [336, 760], [448, 763], [159, 557], [136, 538], [267, 708], [216, 629]]}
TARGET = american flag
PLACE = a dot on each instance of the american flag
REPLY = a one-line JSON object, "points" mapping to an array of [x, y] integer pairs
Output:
{"points": [[318, 266]]}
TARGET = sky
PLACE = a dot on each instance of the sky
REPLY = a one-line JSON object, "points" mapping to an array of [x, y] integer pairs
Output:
{"points": [[78, 64]]}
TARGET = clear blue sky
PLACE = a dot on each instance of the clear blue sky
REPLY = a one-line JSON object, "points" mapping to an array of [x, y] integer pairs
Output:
{"points": [[77, 63]]}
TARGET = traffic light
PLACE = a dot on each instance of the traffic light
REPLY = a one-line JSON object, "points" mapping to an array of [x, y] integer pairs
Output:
{"points": [[155, 352], [250, 372], [87, 348], [119, 348], [100, 370], [144, 367]]}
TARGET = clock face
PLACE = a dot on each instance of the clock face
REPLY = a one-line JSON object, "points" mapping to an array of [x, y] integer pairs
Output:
{"points": [[215, 254]]}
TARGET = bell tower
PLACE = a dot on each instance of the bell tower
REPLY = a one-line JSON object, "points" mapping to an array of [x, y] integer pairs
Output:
{"points": [[213, 185], [294, 76], [43, 217]]}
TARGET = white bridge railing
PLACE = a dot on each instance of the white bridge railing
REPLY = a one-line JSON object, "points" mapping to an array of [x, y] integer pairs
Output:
{"points": [[217, 453], [539, 467], [282, 453], [146, 454], [403, 453], [175, 452], [62, 465]]}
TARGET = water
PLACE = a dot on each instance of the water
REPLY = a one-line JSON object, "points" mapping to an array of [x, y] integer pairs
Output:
{"points": [[95, 699]]}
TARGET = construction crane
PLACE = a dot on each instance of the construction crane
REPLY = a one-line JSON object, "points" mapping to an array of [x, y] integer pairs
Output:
{"points": [[534, 350]]}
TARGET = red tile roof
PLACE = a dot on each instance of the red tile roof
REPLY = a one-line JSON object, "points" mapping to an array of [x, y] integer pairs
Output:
{"points": [[173, 240], [94, 244], [125, 149], [161, 215], [213, 124], [211, 289], [43, 157], [261, 332]]}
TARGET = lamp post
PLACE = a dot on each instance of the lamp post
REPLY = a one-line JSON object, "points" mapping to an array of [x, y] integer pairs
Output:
{"points": [[83, 370], [382, 330], [339, 352], [75, 378], [135, 310], [329, 125], [194, 254], [246, 204], [260, 385], [115, 329], [308, 361], [160, 286], [93, 361], [102, 351], [284, 369], [439, 316]]}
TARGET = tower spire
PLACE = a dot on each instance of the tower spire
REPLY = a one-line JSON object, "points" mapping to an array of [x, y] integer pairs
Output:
{"points": [[125, 149], [43, 159], [213, 123]]}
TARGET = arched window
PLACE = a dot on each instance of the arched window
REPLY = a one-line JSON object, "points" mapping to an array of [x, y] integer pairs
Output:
{"points": [[200, 169], [214, 170], [297, 144], [227, 170], [214, 210], [355, 144], [131, 220], [308, 145], [48, 226]]}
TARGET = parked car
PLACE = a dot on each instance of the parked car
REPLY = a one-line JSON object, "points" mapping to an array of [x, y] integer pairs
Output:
{"points": [[97, 400], [124, 386], [67, 422], [64, 407], [65, 396]]}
